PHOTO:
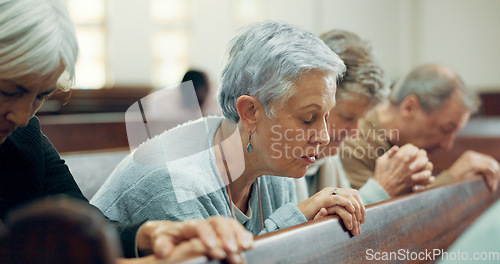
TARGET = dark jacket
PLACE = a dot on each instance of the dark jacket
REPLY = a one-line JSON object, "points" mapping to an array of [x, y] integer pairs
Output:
{"points": [[30, 169]]}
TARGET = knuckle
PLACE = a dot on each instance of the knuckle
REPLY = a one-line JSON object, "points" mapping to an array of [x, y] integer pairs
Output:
{"points": [[191, 222], [408, 146]]}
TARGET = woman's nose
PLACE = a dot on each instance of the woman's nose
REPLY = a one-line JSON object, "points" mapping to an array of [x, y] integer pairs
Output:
{"points": [[321, 135], [20, 112]]}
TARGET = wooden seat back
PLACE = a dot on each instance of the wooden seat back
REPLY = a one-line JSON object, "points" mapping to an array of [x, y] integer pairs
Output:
{"points": [[91, 168]]}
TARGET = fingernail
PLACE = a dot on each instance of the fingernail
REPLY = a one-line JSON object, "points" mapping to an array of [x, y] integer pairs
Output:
{"points": [[232, 246], [235, 258], [432, 179], [211, 242], [412, 166], [246, 242]]}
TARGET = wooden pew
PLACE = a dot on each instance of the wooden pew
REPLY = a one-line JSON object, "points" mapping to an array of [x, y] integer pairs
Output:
{"points": [[91, 168], [105, 100], [85, 132], [89, 119], [414, 223], [490, 102]]}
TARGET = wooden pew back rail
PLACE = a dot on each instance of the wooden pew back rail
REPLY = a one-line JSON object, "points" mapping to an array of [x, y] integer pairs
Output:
{"points": [[91, 169], [421, 222]]}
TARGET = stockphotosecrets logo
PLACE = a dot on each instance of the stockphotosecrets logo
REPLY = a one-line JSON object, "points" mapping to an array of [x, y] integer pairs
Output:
{"points": [[166, 131]]}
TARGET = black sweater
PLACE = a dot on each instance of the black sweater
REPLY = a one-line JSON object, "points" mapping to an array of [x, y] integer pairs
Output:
{"points": [[30, 168]]}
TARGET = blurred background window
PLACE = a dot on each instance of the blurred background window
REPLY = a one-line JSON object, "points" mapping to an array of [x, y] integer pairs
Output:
{"points": [[89, 17], [169, 40], [248, 11]]}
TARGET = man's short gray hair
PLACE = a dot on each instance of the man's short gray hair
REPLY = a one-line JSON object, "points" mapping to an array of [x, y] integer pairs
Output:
{"points": [[362, 68], [266, 60], [433, 85]]}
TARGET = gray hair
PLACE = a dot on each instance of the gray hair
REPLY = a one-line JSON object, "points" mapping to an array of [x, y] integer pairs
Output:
{"points": [[266, 60], [433, 85], [36, 38], [362, 68]]}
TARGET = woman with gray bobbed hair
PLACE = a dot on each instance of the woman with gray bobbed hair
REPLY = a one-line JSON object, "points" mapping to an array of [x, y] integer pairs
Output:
{"points": [[276, 91], [37, 45]]}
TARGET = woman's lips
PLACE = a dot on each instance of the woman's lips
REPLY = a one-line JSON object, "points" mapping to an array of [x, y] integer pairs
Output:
{"points": [[310, 158]]}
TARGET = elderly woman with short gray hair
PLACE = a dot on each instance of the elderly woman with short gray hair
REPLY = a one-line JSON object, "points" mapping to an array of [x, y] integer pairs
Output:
{"points": [[276, 91]]}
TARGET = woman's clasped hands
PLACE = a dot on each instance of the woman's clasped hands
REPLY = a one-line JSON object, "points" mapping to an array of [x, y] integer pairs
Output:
{"points": [[346, 203]]}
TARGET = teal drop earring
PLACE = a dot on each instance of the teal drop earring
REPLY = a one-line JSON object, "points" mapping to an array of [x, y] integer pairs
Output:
{"points": [[249, 146]]}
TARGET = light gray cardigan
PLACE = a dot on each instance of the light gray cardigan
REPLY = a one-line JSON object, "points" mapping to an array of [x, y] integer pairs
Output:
{"points": [[174, 177]]}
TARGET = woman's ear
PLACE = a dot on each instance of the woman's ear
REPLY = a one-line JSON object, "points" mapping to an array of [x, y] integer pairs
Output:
{"points": [[248, 108], [410, 107]]}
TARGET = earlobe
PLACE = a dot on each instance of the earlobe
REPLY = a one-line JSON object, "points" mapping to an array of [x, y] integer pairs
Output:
{"points": [[410, 106], [248, 108]]}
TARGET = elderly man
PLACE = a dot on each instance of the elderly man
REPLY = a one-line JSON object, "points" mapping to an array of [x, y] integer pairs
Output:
{"points": [[426, 108]]}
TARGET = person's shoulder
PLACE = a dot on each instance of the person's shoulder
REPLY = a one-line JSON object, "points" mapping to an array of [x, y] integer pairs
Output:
{"points": [[28, 138], [34, 122], [170, 163], [33, 127], [130, 185]]}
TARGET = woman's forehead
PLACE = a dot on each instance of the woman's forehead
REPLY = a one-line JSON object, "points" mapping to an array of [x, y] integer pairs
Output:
{"points": [[314, 89], [36, 83]]}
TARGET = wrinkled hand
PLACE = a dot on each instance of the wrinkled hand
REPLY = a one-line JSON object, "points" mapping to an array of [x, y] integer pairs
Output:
{"points": [[471, 163], [221, 238], [182, 252], [347, 204], [403, 169]]}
